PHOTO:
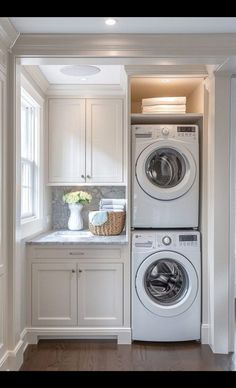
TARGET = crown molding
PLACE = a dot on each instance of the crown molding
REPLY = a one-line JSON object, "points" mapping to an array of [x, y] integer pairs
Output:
{"points": [[85, 90], [8, 34], [131, 45], [180, 70], [38, 77]]}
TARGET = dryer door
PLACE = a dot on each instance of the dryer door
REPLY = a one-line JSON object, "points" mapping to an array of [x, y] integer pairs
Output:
{"points": [[165, 170], [166, 283]]}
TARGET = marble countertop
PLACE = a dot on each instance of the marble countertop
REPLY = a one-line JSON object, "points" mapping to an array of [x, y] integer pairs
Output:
{"points": [[67, 237]]}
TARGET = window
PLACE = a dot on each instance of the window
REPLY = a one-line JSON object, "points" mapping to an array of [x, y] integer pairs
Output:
{"points": [[29, 157]]}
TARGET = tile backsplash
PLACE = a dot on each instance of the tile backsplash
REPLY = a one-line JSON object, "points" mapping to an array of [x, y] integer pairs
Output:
{"points": [[60, 210]]}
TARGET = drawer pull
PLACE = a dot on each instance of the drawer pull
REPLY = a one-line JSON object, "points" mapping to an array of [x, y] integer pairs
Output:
{"points": [[76, 253], [80, 270], [73, 271]]}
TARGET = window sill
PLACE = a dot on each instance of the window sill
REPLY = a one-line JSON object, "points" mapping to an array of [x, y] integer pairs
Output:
{"points": [[28, 220], [31, 226]]}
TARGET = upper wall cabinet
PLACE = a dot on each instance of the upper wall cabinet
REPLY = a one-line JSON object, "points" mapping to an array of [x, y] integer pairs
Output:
{"points": [[66, 140], [85, 141]]}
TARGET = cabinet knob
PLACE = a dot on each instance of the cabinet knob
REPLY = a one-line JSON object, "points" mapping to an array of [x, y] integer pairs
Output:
{"points": [[88, 176], [82, 176], [73, 271], [80, 270]]}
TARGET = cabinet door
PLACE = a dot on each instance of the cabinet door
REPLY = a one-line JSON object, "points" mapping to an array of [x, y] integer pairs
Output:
{"points": [[54, 295], [104, 141], [66, 140], [100, 294]]}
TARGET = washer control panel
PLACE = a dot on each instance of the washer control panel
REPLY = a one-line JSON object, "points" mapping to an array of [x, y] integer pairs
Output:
{"points": [[147, 132], [166, 239]]}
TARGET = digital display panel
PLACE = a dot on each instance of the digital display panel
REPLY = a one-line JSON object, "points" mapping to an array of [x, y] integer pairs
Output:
{"points": [[188, 237], [186, 129]]}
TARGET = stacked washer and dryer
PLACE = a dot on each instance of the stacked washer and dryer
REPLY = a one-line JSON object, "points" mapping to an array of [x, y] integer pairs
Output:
{"points": [[166, 259]]}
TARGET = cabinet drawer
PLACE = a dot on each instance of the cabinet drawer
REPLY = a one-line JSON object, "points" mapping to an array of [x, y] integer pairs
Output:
{"points": [[76, 253]]}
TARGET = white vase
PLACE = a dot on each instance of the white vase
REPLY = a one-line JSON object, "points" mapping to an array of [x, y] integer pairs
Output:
{"points": [[75, 221]]}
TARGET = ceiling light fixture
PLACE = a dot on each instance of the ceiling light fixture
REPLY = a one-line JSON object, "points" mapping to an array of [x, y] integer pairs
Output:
{"points": [[110, 22], [83, 79], [80, 70]]}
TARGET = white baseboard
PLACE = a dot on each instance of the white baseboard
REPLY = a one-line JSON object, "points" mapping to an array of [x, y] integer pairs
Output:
{"points": [[13, 359], [123, 334], [4, 362], [205, 334]]}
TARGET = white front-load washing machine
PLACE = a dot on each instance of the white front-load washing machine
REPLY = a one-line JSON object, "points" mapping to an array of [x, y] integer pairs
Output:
{"points": [[166, 285], [165, 176]]}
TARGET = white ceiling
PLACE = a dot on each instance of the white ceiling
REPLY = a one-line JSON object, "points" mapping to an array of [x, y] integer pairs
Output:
{"points": [[109, 74], [160, 25]]}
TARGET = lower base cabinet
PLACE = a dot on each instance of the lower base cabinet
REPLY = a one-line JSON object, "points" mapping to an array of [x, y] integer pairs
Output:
{"points": [[100, 295], [77, 294], [54, 294]]}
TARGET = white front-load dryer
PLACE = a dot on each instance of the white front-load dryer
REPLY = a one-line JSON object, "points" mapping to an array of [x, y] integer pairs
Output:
{"points": [[165, 176], [166, 285]]}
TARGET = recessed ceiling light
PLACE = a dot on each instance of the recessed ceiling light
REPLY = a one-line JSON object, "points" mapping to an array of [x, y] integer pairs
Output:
{"points": [[165, 80], [83, 79], [110, 22], [80, 70]]}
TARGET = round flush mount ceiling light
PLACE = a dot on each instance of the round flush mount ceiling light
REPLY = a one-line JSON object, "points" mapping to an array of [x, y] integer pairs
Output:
{"points": [[110, 22], [80, 70]]}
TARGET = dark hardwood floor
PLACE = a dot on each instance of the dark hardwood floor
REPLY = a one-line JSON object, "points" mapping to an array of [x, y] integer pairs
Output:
{"points": [[96, 355]]}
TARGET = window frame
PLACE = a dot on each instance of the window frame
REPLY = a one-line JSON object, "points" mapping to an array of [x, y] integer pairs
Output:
{"points": [[31, 225], [29, 102]]}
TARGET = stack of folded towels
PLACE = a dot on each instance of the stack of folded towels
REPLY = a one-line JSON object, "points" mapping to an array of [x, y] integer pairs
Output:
{"points": [[112, 204], [99, 217], [164, 105]]}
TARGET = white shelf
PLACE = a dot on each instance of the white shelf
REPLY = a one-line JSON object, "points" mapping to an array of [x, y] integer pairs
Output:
{"points": [[186, 118]]}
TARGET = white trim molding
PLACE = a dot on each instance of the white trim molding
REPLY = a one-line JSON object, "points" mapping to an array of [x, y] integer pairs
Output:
{"points": [[123, 334], [205, 334], [13, 359], [129, 45], [8, 33], [170, 70], [38, 77]]}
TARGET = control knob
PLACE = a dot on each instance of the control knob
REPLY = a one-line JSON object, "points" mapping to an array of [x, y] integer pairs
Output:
{"points": [[165, 131], [166, 240]]}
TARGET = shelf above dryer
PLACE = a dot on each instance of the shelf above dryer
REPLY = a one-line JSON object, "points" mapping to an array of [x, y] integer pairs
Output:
{"points": [[186, 118]]}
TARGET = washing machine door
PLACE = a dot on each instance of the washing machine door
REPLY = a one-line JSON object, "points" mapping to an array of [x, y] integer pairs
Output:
{"points": [[165, 170], [166, 283]]}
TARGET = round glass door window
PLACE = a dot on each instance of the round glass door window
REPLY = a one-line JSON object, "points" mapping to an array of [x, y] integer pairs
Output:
{"points": [[166, 282], [165, 167]]}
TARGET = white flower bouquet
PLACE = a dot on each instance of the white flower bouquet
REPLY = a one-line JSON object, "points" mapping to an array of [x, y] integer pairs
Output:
{"points": [[75, 197]]}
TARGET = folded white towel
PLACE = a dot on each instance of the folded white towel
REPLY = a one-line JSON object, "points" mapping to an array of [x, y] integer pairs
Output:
{"points": [[119, 207], [163, 101], [112, 202], [164, 107]]}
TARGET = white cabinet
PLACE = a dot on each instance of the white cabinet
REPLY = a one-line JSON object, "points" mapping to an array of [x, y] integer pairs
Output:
{"points": [[100, 292], [66, 140], [54, 294], [85, 139], [104, 141]]}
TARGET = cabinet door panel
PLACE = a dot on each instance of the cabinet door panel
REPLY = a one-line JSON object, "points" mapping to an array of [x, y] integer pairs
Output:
{"points": [[54, 296], [66, 140], [104, 140], [100, 294]]}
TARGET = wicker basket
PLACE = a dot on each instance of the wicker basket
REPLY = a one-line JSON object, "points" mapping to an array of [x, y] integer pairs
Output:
{"points": [[113, 226]]}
